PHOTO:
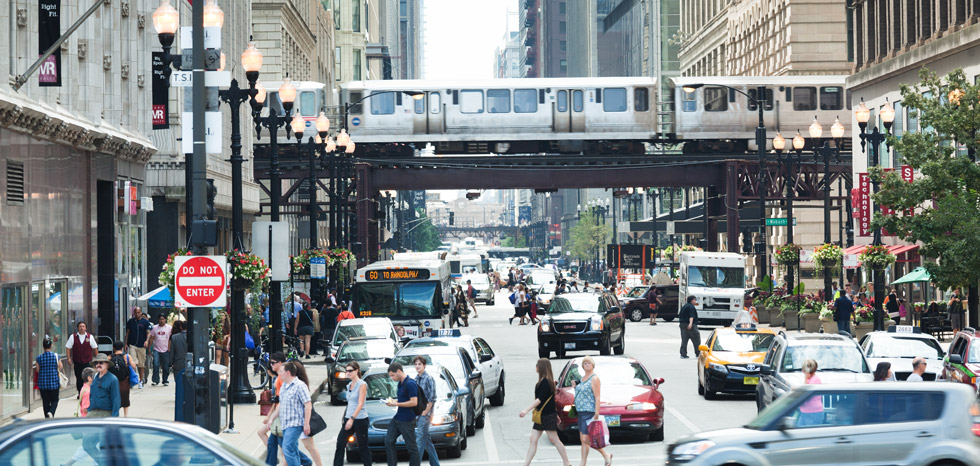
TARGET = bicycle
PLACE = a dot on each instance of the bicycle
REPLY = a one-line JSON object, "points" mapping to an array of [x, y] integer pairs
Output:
{"points": [[258, 370]]}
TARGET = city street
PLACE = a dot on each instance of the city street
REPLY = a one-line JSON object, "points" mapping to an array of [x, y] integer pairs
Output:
{"points": [[505, 438]]}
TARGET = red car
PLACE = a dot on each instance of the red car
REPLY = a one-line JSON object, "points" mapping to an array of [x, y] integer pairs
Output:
{"points": [[962, 362], [628, 397]]}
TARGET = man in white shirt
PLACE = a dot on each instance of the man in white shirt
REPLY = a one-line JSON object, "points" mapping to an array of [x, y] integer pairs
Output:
{"points": [[82, 348], [918, 368]]}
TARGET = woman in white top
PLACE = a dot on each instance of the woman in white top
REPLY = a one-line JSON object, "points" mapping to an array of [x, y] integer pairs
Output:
{"points": [[520, 305]]}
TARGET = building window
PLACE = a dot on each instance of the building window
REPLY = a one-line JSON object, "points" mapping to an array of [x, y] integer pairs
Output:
{"points": [[355, 16], [403, 7], [804, 98], [561, 8], [562, 26], [336, 14], [498, 100], [367, 18], [357, 65], [563, 66], [336, 63], [563, 46]]}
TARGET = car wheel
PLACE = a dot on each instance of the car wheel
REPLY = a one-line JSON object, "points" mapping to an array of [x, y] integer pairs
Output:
{"points": [[353, 456], [605, 347], [455, 451], [498, 398], [481, 420], [709, 394], [335, 400], [543, 353], [657, 435], [491, 303], [700, 387], [636, 314], [621, 347], [668, 319], [471, 428], [758, 400]]}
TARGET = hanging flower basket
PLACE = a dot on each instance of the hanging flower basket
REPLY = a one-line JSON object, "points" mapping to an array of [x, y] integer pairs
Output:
{"points": [[876, 257], [788, 254], [301, 263], [340, 255], [827, 256], [248, 271], [168, 273]]}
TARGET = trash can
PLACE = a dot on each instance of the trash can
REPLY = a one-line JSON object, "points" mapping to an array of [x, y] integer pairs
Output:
{"points": [[218, 402]]}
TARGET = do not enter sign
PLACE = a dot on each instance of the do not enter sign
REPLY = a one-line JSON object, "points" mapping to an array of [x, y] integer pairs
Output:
{"points": [[200, 281]]}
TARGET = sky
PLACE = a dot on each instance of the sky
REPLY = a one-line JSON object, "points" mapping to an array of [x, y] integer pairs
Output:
{"points": [[461, 36]]}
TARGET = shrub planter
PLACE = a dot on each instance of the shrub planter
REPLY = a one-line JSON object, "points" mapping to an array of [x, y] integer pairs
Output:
{"points": [[763, 314], [791, 319], [811, 322], [862, 328], [775, 318], [829, 326]]}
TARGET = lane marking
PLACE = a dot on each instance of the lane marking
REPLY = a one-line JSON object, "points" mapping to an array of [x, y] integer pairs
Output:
{"points": [[492, 455], [640, 460], [684, 420]]}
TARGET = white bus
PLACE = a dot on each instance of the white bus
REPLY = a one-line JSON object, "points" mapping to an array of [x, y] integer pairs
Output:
{"points": [[717, 279], [415, 294]]}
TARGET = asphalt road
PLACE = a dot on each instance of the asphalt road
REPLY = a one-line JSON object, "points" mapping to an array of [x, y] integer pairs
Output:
{"points": [[505, 438]]}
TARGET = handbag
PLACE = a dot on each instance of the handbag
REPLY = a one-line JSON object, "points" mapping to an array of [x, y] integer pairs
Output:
{"points": [[536, 414], [598, 433], [317, 424], [572, 413], [63, 379], [249, 341], [265, 402], [134, 378]]}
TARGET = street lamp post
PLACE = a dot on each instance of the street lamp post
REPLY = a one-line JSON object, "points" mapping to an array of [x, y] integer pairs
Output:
{"points": [[287, 94], [875, 138], [313, 147], [826, 151]]}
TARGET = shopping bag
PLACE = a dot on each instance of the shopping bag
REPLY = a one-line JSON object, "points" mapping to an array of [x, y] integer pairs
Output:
{"points": [[249, 342], [598, 433]]}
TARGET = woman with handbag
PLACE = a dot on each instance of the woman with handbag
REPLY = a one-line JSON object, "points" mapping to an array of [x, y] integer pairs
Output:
{"points": [[355, 417], [587, 407], [48, 378], [544, 414]]}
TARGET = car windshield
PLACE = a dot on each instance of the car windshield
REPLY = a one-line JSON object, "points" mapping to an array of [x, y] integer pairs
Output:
{"points": [[716, 277], [547, 288], [380, 386], [830, 358], [370, 349], [448, 360], [637, 292], [903, 347], [586, 302], [413, 299], [743, 342], [476, 278], [611, 373], [346, 332]]}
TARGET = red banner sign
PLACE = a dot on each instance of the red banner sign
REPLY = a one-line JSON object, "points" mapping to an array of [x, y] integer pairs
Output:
{"points": [[863, 205], [908, 175]]}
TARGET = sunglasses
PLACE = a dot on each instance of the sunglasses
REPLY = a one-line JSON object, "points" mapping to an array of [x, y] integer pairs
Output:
{"points": [[349, 370]]}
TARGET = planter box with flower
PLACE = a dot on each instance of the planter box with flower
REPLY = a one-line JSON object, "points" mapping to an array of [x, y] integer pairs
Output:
{"points": [[791, 307], [864, 318], [810, 315], [827, 256], [334, 257], [827, 318]]}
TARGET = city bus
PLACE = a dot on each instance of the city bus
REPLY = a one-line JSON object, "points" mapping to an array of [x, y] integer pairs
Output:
{"points": [[415, 294]]}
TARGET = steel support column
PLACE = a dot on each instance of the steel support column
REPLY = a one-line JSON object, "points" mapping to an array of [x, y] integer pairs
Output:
{"points": [[365, 215], [731, 206]]}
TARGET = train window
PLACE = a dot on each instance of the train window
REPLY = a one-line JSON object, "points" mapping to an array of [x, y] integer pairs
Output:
{"points": [[357, 108], [275, 105], [419, 106], [767, 95], [525, 101], [690, 103], [804, 98], [578, 100], [831, 98], [715, 99], [641, 99], [562, 101], [382, 103], [614, 99], [307, 103], [498, 100], [435, 103], [471, 101]]}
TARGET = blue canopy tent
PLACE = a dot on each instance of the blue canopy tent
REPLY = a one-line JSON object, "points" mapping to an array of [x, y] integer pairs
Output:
{"points": [[159, 298]]}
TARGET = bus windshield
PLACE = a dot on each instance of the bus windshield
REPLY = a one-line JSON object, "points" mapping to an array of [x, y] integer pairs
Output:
{"points": [[394, 300], [716, 277]]}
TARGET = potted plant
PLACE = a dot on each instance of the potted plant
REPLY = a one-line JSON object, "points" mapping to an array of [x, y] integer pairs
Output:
{"points": [[761, 303], [876, 258], [788, 254], [827, 318], [827, 256], [775, 308], [810, 315], [790, 310], [248, 271], [864, 318]]}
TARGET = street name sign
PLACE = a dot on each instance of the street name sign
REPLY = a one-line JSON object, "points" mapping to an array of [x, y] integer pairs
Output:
{"points": [[211, 78], [200, 281], [318, 267], [779, 222]]}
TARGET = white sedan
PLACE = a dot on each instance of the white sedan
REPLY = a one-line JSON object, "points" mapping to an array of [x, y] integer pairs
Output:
{"points": [[481, 282]]}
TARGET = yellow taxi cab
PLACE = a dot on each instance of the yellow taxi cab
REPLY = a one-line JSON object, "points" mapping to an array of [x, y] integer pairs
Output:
{"points": [[730, 360]]}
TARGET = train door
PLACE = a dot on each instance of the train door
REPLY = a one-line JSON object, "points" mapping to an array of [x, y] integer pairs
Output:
{"points": [[428, 113], [569, 111]]}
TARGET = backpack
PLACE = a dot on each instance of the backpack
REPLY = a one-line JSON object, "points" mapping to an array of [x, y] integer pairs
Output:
{"points": [[421, 399], [471, 292], [513, 298], [118, 367]]}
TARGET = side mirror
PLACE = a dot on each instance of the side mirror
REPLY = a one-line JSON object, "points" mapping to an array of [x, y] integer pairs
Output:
{"points": [[786, 423], [658, 382], [463, 391], [765, 369], [329, 360], [614, 310], [703, 348], [387, 360], [956, 359], [476, 374], [485, 358]]}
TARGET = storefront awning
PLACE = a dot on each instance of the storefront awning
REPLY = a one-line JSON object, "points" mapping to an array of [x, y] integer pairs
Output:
{"points": [[903, 252]]}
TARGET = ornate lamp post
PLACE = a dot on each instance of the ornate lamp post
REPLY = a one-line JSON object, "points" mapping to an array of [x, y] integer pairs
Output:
{"points": [[875, 138], [314, 146]]}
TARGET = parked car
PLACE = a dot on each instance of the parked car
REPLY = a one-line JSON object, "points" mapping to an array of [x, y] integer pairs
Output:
{"points": [[119, 441], [448, 413], [900, 349], [839, 360], [629, 398], [363, 350], [490, 363], [962, 363], [862, 423], [730, 359], [637, 307], [481, 283], [361, 327], [463, 369], [582, 321], [544, 294]]}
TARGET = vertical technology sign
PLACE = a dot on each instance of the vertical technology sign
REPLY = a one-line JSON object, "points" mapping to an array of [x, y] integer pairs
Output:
{"points": [[49, 31]]}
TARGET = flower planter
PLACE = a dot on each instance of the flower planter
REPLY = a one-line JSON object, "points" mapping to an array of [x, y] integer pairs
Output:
{"points": [[775, 318], [828, 263], [763, 314], [829, 326], [791, 320], [811, 322], [240, 283], [861, 329]]}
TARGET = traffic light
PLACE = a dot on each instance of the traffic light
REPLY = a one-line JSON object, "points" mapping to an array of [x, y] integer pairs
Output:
{"points": [[452, 218], [746, 242], [212, 192]]}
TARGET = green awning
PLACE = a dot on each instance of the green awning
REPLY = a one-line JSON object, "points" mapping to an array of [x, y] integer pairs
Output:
{"points": [[917, 275]]}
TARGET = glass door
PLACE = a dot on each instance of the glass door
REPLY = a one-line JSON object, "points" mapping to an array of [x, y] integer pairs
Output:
{"points": [[13, 304]]}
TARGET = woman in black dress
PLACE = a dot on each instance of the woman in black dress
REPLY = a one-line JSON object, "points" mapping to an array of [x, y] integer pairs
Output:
{"points": [[544, 396]]}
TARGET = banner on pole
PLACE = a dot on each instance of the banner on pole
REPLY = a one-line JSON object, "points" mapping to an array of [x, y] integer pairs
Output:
{"points": [[161, 95], [49, 31], [864, 205]]}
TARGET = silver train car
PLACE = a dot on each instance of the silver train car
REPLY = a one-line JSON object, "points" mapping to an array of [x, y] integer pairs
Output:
{"points": [[311, 99], [583, 115]]}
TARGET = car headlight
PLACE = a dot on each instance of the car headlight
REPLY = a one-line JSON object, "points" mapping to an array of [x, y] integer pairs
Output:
{"points": [[446, 418], [718, 367], [544, 326], [737, 302], [596, 323], [690, 450], [641, 407], [340, 375]]}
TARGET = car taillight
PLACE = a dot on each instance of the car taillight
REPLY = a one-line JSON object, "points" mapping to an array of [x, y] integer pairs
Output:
{"points": [[975, 413]]}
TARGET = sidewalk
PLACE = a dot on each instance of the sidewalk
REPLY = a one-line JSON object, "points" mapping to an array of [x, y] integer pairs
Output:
{"points": [[158, 403]]}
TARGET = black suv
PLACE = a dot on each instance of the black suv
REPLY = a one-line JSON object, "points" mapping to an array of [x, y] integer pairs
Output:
{"points": [[582, 321], [637, 307]]}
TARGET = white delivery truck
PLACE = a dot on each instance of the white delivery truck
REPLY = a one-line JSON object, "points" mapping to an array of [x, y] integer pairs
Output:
{"points": [[717, 279]]}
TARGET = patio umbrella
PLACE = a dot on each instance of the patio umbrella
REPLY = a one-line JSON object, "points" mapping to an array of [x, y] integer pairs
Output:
{"points": [[917, 275]]}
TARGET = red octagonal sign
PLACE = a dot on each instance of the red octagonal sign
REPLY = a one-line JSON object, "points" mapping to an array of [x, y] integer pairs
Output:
{"points": [[200, 281]]}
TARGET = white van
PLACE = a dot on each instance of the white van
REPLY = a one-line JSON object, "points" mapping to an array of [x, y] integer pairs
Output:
{"points": [[717, 279]]}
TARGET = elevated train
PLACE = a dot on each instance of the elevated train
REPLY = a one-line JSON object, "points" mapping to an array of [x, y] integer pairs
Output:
{"points": [[581, 115]]}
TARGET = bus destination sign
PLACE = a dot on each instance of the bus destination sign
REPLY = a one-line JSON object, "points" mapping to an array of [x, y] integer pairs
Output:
{"points": [[397, 275]]}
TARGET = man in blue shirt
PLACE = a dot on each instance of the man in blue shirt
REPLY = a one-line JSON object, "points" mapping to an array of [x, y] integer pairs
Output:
{"points": [[137, 329], [404, 421], [103, 395], [427, 385]]}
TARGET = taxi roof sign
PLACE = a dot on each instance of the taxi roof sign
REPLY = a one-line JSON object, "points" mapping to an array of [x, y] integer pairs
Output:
{"points": [[444, 332], [903, 329]]}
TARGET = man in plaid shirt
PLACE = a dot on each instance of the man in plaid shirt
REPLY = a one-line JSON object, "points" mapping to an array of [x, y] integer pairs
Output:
{"points": [[294, 410]]}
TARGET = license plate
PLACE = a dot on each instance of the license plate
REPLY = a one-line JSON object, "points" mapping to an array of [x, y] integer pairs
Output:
{"points": [[612, 421], [569, 345], [750, 381]]}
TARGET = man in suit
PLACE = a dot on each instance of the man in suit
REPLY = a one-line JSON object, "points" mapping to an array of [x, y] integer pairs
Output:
{"points": [[843, 309]]}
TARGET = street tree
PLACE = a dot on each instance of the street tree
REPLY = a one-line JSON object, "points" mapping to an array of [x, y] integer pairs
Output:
{"points": [[426, 235], [940, 208], [511, 241], [586, 236]]}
